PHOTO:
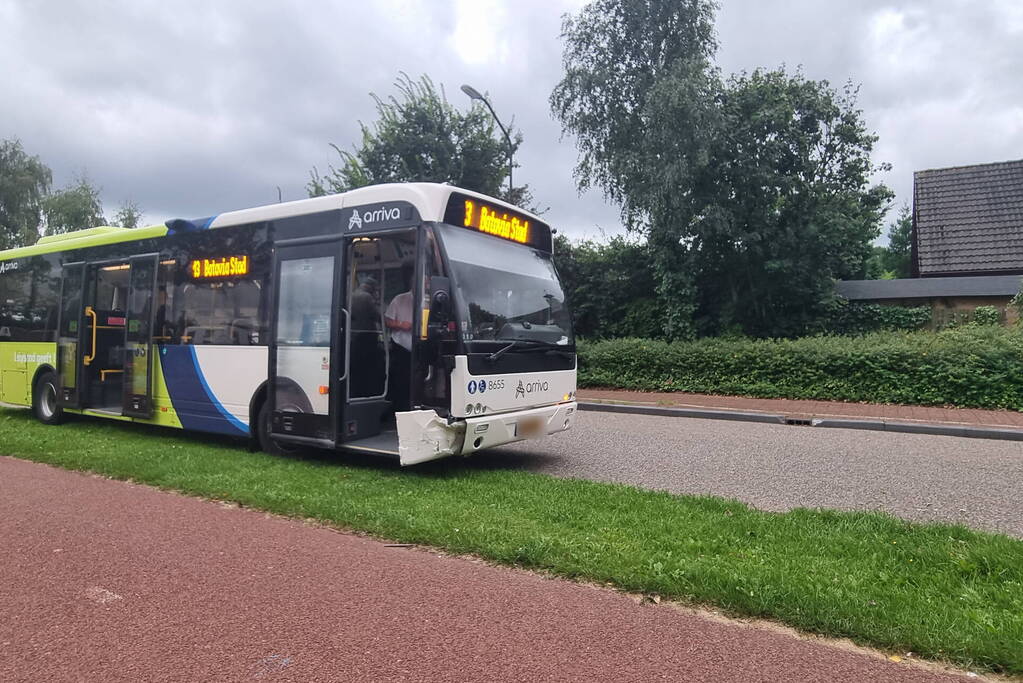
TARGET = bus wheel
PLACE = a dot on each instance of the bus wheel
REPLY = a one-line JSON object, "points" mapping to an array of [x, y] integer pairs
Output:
{"points": [[44, 400], [266, 444]]}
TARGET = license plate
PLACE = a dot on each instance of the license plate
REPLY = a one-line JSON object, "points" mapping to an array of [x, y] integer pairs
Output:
{"points": [[530, 426]]}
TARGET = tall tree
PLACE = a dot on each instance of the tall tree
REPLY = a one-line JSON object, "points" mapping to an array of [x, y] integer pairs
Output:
{"points": [[786, 204], [637, 93], [128, 215], [753, 192], [420, 136], [76, 207], [24, 183]]}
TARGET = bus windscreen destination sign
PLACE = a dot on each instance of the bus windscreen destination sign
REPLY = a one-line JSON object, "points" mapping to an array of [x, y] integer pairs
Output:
{"points": [[225, 266], [478, 214]]}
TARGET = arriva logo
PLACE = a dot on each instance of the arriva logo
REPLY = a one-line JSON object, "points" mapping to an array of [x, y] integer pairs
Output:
{"points": [[355, 222], [381, 215], [8, 265], [530, 387]]}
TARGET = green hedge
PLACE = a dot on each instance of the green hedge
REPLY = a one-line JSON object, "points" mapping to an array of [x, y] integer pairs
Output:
{"points": [[972, 366], [854, 317]]}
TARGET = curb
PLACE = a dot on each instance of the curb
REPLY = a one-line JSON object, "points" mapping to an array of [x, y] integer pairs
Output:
{"points": [[707, 414], [996, 433]]}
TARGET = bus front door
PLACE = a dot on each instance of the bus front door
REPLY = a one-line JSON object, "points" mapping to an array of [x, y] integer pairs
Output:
{"points": [[379, 274], [306, 359]]}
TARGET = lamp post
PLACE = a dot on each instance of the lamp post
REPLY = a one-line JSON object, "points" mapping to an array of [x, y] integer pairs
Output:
{"points": [[475, 94]]}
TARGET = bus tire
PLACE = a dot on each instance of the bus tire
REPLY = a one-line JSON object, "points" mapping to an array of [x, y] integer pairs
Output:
{"points": [[266, 444], [45, 405]]}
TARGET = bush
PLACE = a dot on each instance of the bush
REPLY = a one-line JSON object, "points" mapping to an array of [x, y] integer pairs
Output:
{"points": [[977, 367], [844, 317], [986, 315]]}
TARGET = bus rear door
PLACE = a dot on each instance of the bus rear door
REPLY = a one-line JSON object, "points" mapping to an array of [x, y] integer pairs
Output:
{"points": [[138, 336], [71, 334]]}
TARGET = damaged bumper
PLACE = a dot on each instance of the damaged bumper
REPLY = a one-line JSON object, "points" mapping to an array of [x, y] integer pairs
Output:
{"points": [[423, 436]]}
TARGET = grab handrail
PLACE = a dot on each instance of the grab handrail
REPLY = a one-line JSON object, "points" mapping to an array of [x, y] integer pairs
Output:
{"points": [[92, 356]]}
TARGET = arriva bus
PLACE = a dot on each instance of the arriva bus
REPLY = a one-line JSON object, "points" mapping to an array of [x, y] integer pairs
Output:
{"points": [[410, 320]]}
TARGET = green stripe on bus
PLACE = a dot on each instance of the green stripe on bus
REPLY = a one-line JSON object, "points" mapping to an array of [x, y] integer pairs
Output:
{"points": [[90, 240]]}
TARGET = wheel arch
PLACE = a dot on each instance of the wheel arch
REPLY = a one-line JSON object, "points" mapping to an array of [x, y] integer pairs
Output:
{"points": [[40, 371], [259, 397]]}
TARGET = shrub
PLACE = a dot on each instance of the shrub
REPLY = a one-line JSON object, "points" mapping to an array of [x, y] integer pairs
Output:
{"points": [[978, 367], [987, 315], [844, 317]]}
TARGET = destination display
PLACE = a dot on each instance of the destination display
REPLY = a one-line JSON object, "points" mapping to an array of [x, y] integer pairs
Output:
{"points": [[478, 214], [225, 266]]}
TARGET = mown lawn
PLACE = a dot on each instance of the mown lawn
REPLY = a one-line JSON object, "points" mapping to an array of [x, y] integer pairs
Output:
{"points": [[940, 591]]}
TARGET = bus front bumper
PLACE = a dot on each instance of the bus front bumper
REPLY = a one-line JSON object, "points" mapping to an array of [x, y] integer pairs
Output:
{"points": [[423, 436]]}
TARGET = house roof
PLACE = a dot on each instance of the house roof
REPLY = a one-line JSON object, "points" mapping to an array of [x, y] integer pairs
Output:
{"points": [[969, 219], [928, 287]]}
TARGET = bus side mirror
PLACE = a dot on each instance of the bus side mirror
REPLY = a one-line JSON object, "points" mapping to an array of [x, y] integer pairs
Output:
{"points": [[440, 300]]}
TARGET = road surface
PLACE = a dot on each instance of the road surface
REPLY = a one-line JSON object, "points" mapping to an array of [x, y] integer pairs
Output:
{"points": [[776, 467], [108, 581]]}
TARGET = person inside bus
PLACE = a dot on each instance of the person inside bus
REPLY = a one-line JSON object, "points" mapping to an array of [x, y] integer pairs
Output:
{"points": [[367, 364], [398, 318], [161, 326]]}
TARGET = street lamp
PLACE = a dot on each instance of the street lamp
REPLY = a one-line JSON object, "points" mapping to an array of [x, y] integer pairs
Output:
{"points": [[475, 94]]}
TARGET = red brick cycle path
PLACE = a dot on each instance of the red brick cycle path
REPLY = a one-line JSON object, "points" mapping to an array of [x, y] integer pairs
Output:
{"points": [[108, 581], [810, 409]]}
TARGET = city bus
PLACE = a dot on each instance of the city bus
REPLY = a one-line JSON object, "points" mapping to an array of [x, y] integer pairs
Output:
{"points": [[413, 320]]}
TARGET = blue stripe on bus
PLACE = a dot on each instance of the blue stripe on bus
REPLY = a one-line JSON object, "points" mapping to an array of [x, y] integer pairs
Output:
{"points": [[239, 425], [177, 226], [194, 402]]}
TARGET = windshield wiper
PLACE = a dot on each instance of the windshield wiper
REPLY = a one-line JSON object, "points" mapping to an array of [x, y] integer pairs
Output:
{"points": [[533, 345]]}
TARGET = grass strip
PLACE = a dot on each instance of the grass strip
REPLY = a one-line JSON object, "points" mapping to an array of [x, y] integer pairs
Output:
{"points": [[941, 591]]}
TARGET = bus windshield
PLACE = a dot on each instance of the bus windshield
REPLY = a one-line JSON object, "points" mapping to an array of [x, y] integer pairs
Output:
{"points": [[506, 291]]}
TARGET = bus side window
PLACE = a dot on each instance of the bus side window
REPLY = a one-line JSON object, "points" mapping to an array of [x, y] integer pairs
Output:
{"points": [[28, 302], [164, 328], [223, 313]]}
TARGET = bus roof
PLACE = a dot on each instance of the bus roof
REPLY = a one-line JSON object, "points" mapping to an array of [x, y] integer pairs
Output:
{"points": [[429, 199]]}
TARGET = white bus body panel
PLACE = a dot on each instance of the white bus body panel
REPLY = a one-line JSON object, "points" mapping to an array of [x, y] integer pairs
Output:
{"points": [[543, 402], [309, 368], [430, 200], [501, 393], [232, 374]]}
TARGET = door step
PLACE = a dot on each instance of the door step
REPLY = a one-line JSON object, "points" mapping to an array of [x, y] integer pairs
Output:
{"points": [[384, 443], [106, 412]]}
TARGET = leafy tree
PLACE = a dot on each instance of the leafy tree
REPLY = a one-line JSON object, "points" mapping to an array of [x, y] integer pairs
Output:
{"points": [[24, 183], [128, 215], [898, 255], [876, 264], [420, 136], [753, 192], [638, 93], [786, 204], [610, 287], [894, 260], [76, 207]]}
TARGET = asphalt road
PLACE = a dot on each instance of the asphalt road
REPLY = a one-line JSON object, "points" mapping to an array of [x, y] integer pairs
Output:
{"points": [[108, 581], [773, 467]]}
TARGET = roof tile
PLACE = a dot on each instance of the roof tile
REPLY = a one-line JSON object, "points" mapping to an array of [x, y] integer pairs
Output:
{"points": [[969, 218]]}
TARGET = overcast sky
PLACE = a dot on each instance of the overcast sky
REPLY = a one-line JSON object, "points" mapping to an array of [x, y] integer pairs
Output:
{"points": [[195, 108]]}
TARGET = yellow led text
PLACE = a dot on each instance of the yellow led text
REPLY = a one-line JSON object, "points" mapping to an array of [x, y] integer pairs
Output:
{"points": [[224, 267]]}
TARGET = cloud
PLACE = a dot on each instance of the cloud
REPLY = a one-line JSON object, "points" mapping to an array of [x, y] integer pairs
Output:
{"points": [[195, 108], [938, 81]]}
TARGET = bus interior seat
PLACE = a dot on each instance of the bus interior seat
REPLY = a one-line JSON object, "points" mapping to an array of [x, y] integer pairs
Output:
{"points": [[220, 335], [241, 331], [195, 335]]}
